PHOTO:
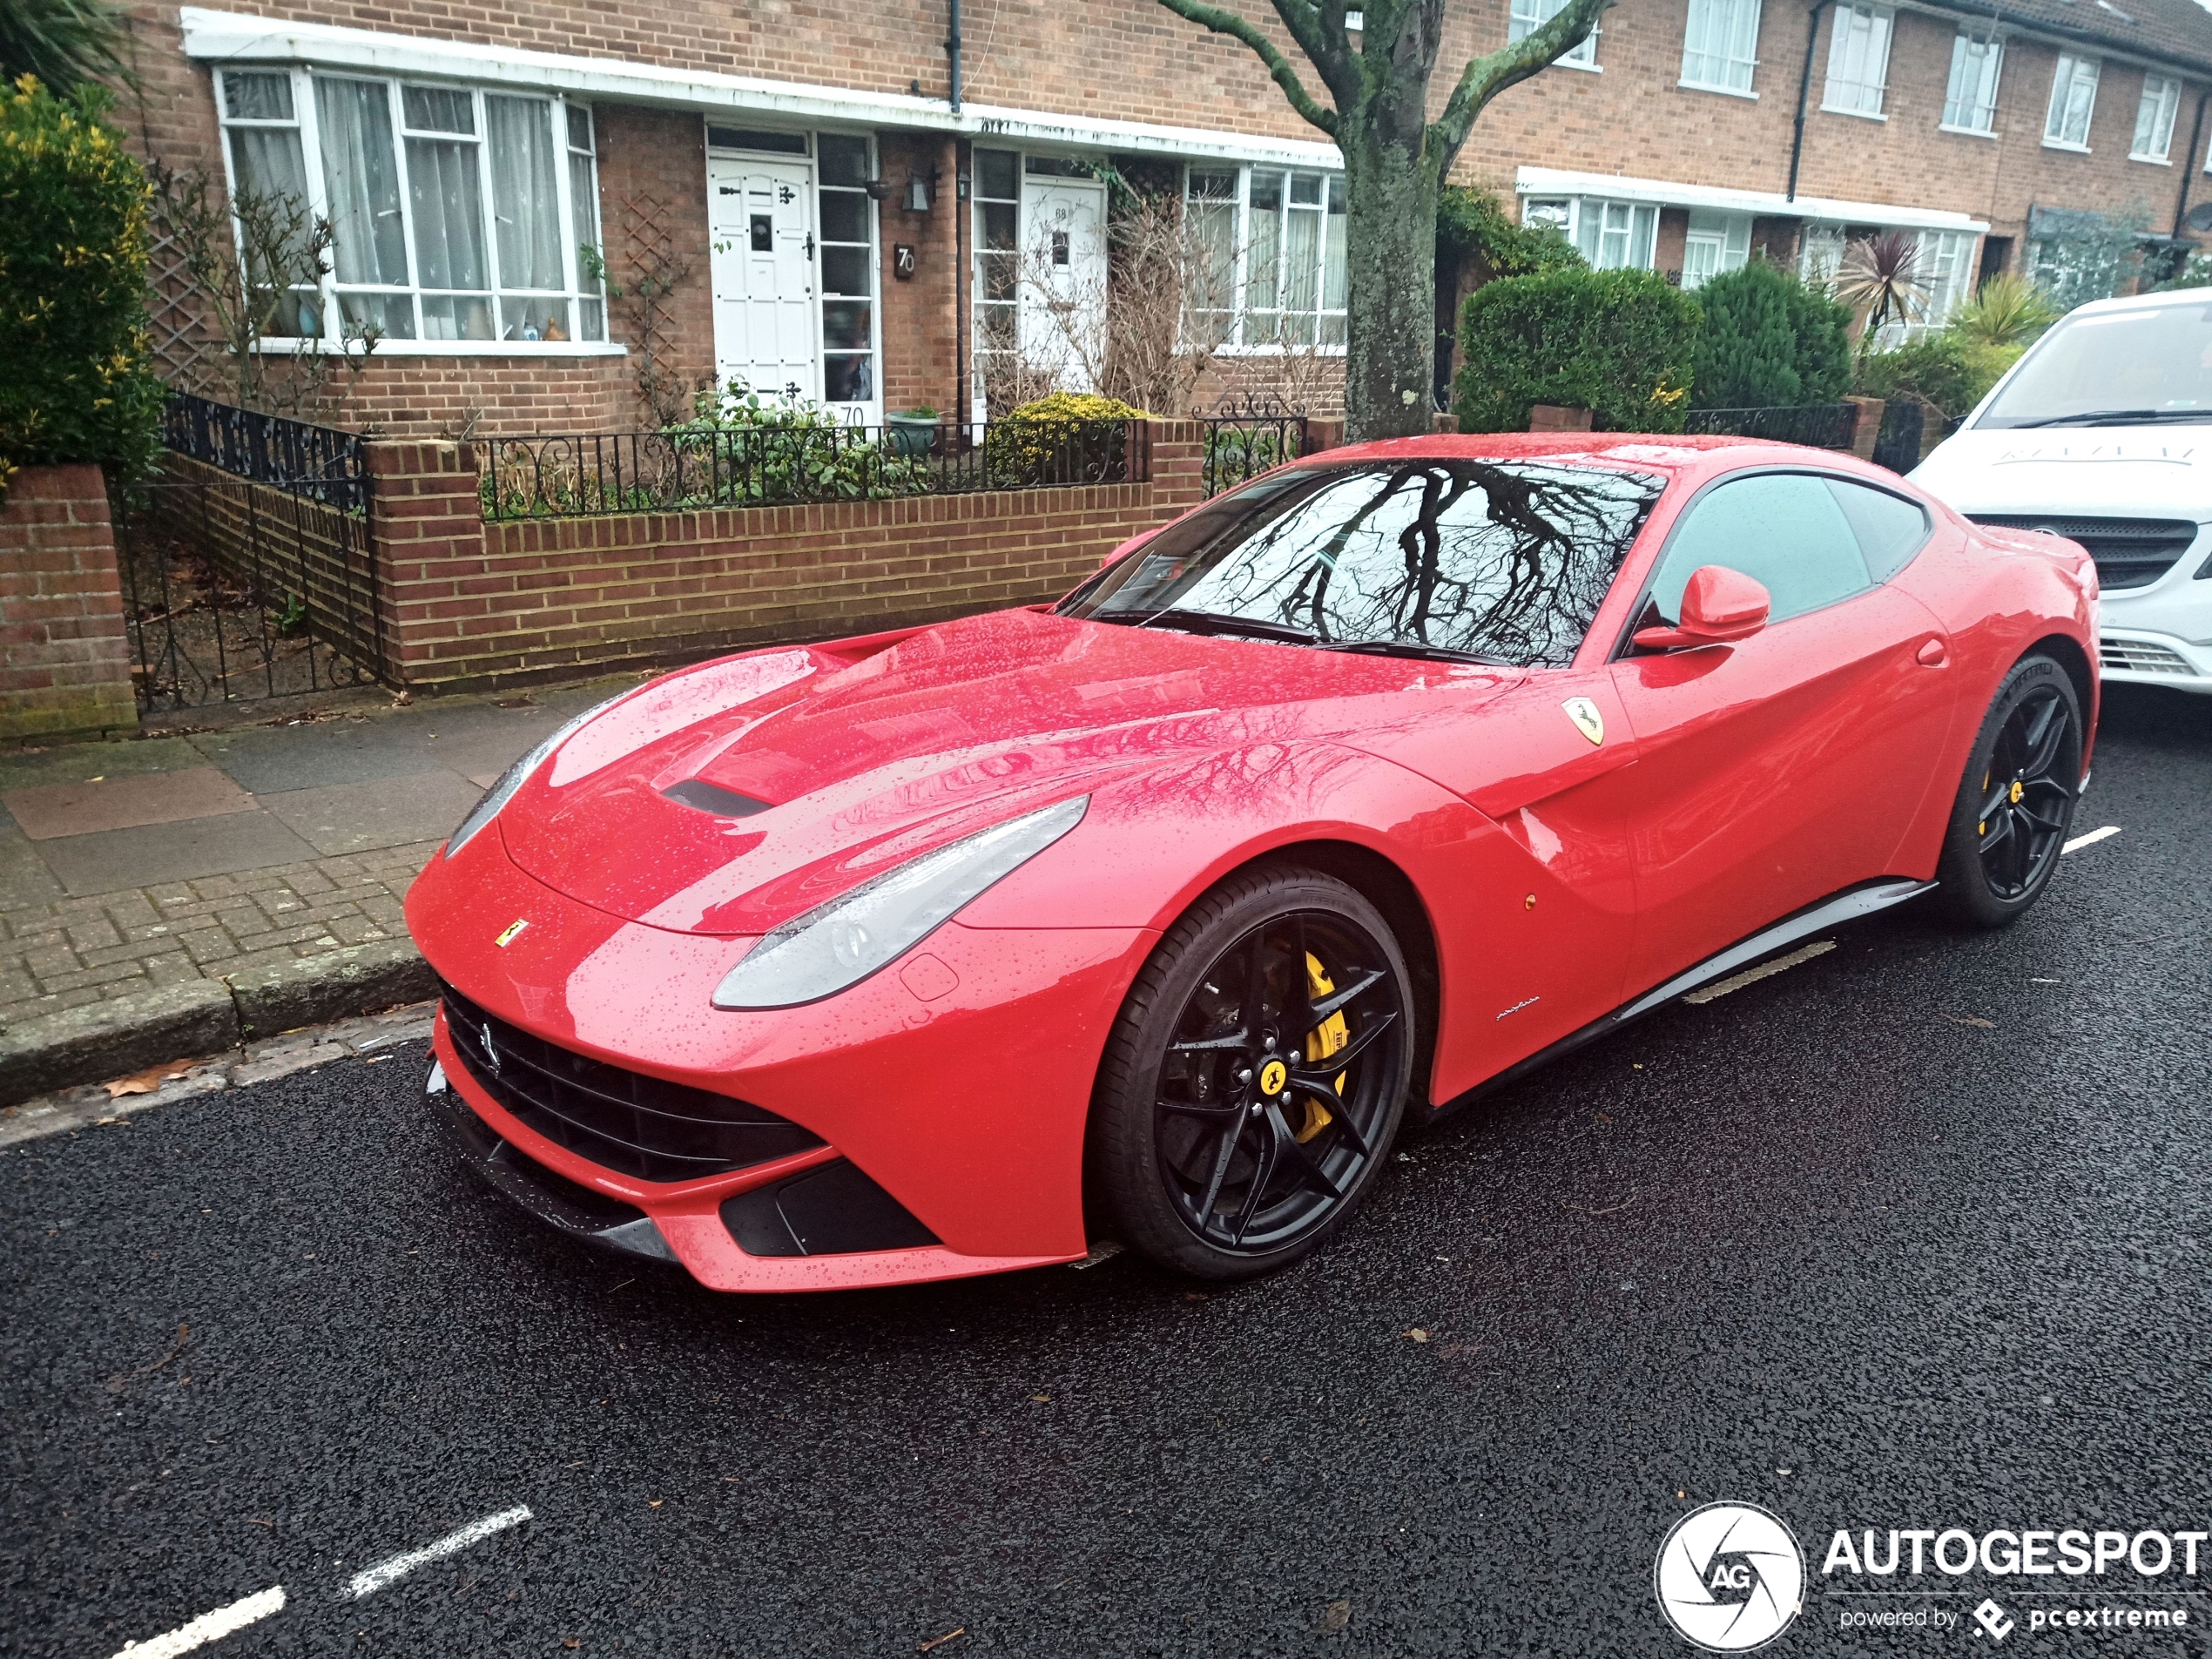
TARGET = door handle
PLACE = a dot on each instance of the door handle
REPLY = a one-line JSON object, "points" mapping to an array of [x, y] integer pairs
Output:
{"points": [[1931, 654]]}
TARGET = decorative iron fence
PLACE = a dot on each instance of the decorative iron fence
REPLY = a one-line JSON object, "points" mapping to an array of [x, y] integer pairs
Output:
{"points": [[1819, 425], [593, 474], [1910, 430], [235, 591], [319, 463], [1247, 436]]}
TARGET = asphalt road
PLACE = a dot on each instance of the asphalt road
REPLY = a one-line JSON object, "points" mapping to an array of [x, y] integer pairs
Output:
{"points": [[1914, 1234]]}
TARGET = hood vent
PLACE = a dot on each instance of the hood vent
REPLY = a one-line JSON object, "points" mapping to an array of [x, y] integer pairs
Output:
{"points": [[707, 798]]}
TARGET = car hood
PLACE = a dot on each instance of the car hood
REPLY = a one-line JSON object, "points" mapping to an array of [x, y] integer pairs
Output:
{"points": [[853, 757], [2157, 472]]}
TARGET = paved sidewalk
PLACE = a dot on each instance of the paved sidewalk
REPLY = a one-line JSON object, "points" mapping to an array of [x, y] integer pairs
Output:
{"points": [[130, 867]]}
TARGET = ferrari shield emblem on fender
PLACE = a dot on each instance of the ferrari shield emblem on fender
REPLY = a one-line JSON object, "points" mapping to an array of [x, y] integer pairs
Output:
{"points": [[1587, 720], [509, 934]]}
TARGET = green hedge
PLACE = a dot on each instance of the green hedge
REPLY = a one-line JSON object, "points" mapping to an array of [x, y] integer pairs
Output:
{"points": [[1618, 343], [1949, 370], [1472, 223], [78, 384], [1769, 342]]}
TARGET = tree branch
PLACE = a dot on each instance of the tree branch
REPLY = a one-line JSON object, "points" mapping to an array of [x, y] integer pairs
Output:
{"points": [[1488, 76], [1224, 22], [1317, 26]]}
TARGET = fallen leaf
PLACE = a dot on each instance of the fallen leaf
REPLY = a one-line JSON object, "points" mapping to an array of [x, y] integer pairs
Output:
{"points": [[655, 1503], [572, 1643], [938, 1641], [1041, 1399], [144, 1083], [1335, 1617], [1418, 1334]]}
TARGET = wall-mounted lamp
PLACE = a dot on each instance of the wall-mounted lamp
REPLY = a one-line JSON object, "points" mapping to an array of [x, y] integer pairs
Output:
{"points": [[917, 196]]}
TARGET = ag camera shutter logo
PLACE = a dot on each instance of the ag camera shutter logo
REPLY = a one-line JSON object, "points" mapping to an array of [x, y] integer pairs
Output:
{"points": [[1730, 1577]]}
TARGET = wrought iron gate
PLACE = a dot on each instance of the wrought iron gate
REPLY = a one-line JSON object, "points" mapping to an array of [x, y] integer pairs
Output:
{"points": [[235, 589]]}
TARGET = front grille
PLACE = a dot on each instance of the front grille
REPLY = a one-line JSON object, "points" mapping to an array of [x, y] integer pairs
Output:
{"points": [[2129, 552], [620, 1120], [2134, 656]]}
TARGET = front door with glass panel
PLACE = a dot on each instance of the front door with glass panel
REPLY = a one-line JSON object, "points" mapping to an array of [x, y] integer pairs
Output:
{"points": [[1063, 280], [761, 214]]}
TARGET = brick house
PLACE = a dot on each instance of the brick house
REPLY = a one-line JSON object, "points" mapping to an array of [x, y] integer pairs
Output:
{"points": [[810, 206]]}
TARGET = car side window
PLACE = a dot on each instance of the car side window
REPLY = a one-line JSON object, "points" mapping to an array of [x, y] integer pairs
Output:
{"points": [[1891, 529], [1786, 530]]}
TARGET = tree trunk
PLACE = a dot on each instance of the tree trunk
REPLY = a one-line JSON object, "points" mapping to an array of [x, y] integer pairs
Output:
{"points": [[1390, 362]]}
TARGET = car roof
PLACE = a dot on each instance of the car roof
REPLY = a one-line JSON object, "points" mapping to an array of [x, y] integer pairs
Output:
{"points": [[1677, 454], [2137, 301]]}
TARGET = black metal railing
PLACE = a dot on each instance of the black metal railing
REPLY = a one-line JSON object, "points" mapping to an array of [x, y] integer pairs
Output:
{"points": [[319, 463], [568, 476], [1819, 425], [1247, 436]]}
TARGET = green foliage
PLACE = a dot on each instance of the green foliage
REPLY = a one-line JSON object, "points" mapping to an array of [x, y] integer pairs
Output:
{"points": [[2195, 271], [1947, 369], [1022, 445], [1769, 342], [78, 384], [2008, 311], [2080, 254], [1471, 223], [64, 42], [1618, 343]]}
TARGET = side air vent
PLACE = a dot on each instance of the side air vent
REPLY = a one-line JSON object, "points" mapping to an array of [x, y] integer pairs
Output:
{"points": [[722, 803], [833, 1210]]}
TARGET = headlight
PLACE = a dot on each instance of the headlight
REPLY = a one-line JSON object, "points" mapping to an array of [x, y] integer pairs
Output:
{"points": [[517, 775], [842, 942]]}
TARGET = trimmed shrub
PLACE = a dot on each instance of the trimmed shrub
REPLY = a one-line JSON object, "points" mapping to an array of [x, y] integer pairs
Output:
{"points": [[79, 384], [1618, 343], [1022, 445], [1947, 370], [1470, 222], [1769, 342]]}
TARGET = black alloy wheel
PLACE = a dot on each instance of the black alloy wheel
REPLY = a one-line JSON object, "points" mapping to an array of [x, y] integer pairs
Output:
{"points": [[1257, 1078], [2009, 824]]}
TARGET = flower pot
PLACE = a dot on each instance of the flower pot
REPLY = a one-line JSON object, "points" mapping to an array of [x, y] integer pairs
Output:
{"points": [[911, 435]]}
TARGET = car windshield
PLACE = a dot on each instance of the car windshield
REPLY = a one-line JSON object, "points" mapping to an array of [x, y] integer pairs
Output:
{"points": [[2152, 365], [1497, 561]]}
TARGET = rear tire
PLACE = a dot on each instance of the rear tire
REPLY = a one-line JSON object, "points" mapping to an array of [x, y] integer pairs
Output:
{"points": [[1256, 1077], [2008, 825]]}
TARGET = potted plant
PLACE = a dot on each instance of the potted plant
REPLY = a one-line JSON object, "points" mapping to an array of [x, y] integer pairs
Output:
{"points": [[913, 432]]}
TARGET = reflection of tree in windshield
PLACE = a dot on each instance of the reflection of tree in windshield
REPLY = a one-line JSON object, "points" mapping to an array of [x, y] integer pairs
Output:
{"points": [[1504, 560]]}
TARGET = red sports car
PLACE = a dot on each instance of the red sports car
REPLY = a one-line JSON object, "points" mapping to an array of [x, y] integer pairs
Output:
{"points": [[1151, 915]]}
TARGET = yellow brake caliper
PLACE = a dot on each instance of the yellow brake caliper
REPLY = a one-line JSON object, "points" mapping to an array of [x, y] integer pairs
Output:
{"points": [[1320, 1042]]}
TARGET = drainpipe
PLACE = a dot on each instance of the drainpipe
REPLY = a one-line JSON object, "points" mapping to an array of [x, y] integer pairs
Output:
{"points": [[1805, 92], [2189, 170], [951, 48]]}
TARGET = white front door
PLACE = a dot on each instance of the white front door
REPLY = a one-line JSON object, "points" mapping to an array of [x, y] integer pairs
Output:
{"points": [[761, 217], [1063, 288]]}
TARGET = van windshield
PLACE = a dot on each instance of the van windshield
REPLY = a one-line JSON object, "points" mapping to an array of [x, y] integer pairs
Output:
{"points": [[2145, 366]]}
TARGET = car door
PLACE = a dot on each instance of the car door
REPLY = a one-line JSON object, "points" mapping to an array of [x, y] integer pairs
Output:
{"points": [[1778, 770]]}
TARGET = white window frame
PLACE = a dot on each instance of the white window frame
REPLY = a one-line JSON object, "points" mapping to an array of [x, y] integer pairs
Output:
{"points": [[1590, 222], [1728, 44], [1946, 270], [1241, 315], [866, 411], [1820, 254], [2161, 103], [1525, 17], [581, 295], [1726, 237], [1858, 62], [2071, 72], [1981, 56]]}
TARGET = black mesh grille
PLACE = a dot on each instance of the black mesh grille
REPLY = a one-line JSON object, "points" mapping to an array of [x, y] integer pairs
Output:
{"points": [[2129, 552], [621, 1120]]}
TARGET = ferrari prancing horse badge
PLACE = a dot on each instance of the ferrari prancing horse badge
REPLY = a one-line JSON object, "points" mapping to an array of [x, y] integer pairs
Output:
{"points": [[1587, 720]]}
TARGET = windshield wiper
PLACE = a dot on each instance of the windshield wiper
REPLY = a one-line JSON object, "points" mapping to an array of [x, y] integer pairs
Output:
{"points": [[1413, 648], [2118, 417], [1208, 622]]}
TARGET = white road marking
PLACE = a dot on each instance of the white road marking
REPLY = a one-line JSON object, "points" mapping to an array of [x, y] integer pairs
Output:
{"points": [[1753, 976], [2094, 835], [386, 1573], [208, 1627]]}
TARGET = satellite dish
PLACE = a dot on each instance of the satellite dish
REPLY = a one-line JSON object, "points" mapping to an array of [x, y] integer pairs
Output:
{"points": [[2200, 219]]}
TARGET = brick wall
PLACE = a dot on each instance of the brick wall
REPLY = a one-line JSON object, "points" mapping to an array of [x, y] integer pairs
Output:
{"points": [[468, 603], [65, 656]]}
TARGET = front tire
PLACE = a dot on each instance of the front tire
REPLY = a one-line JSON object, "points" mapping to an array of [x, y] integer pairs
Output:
{"points": [[1256, 1077], [2008, 827]]}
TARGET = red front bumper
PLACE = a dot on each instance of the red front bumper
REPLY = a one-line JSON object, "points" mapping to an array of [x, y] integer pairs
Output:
{"points": [[960, 1088]]}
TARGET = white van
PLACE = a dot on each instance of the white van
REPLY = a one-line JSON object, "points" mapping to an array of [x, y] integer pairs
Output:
{"points": [[2102, 432]]}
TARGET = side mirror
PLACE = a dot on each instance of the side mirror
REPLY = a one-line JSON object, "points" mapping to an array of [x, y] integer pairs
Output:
{"points": [[1718, 606]]}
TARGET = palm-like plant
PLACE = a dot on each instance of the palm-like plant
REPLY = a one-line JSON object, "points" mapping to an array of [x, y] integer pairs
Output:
{"points": [[63, 43], [1881, 277], [2008, 311]]}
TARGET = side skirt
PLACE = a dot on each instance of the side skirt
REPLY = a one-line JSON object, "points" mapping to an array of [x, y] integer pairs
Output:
{"points": [[1848, 906]]}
